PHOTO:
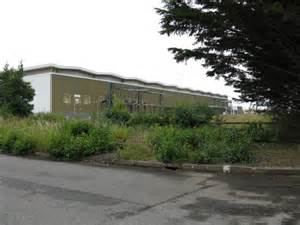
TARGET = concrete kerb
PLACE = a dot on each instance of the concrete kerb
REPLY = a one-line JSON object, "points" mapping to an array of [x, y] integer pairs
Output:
{"points": [[232, 169]]}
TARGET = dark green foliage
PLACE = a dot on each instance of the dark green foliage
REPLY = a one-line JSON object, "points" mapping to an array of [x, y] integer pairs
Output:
{"points": [[253, 45], [191, 115], [118, 112], [289, 128], [236, 146], [77, 148], [168, 146], [15, 93], [57, 144], [16, 143], [103, 140], [78, 139], [201, 145], [148, 119], [68, 147], [230, 145], [263, 133], [79, 127], [184, 115]]}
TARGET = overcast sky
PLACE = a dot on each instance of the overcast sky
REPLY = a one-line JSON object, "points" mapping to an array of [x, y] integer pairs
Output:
{"points": [[101, 35]]}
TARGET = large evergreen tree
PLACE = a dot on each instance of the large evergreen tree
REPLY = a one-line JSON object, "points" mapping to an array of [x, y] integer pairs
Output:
{"points": [[253, 44], [15, 93]]}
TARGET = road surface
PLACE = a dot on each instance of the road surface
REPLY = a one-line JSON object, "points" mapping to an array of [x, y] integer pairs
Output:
{"points": [[34, 192]]}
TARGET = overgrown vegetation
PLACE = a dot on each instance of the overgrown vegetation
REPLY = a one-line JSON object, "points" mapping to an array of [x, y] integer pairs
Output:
{"points": [[178, 135], [183, 115], [201, 145], [118, 113], [75, 140], [16, 143]]}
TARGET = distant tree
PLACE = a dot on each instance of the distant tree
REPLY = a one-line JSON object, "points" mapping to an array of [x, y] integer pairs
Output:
{"points": [[15, 93], [253, 44]]}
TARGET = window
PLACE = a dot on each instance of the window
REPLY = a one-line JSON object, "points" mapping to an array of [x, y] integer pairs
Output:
{"points": [[67, 99], [77, 99], [86, 99]]}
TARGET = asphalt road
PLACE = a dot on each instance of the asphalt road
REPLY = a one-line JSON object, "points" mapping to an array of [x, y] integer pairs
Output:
{"points": [[36, 192]]}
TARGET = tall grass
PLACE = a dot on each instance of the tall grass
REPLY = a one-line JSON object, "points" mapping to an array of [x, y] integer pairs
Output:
{"points": [[22, 136], [39, 131], [137, 146], [247, 118]]}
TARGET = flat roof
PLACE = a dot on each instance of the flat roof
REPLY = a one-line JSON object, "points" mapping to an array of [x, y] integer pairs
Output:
{"points": [[113, 77]]}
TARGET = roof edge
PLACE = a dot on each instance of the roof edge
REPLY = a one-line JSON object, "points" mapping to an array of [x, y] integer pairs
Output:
{"points": [[52, 66]]}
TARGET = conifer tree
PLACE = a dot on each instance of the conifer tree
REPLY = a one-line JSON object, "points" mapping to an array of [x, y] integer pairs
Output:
{"points": [[15, 93], [253, 44]]}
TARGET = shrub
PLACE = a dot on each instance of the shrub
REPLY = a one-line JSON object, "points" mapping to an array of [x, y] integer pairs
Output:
{"points": [[192, 115], [222, 144], [103, 140], [121, 134], [118, 113], [167, 145], [77, 148], [57, 144], [236, 146], [261, 133], [202, 145], [148, 119], [78, 139], [23, 145], [7, 141], [67, 147], [79, 127], [16, 143]]}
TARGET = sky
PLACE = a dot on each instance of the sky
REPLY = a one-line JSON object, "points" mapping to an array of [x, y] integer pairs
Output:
{"points": [[101, 35]]}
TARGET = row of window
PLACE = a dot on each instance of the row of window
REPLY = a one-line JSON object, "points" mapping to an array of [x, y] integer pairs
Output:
{"points": [[80, 99], [86, 100]]}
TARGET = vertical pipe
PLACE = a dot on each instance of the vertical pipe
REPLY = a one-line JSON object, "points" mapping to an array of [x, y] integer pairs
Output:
{"points": [[109, 94], [160, 102], [139, 100]]}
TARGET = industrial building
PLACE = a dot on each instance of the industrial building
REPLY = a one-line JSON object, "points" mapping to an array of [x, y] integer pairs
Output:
{"points": [[61, 89]]}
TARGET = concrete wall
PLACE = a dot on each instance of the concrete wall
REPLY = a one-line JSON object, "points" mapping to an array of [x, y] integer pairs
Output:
{"points": [[41, 83]]}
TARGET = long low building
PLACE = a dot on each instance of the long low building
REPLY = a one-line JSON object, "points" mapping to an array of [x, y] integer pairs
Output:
{"points": [[61, 89]]}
